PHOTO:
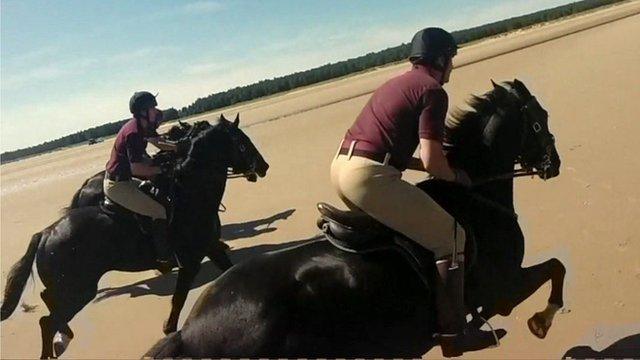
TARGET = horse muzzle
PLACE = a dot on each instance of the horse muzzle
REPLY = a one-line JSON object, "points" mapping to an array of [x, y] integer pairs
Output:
{"points": [[549, 167]]}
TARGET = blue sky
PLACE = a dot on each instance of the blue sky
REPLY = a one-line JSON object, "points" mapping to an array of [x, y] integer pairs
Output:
{"points": [[70, 65]]}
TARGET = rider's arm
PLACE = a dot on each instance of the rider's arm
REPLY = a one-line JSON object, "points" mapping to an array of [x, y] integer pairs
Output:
{"points": [[141, 166], [163, 144], [434, 161], [431, 131], [144, 171]]}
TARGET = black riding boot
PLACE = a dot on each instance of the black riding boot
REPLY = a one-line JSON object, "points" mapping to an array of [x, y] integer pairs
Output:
{"points": [[451, 313], [161, 241]]}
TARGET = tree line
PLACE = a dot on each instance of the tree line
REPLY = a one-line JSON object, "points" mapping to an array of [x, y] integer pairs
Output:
{"points": [[312, 76]]}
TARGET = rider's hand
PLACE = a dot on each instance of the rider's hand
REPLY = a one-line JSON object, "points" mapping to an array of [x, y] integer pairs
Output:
{"points": [[462, 178]]}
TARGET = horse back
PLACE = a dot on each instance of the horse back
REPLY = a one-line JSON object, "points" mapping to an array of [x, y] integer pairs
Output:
{"points": [[312, 300], [86, 240]]}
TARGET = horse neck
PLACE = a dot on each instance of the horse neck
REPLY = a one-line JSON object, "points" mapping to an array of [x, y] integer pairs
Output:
{"points": [[479, 160], [203, 192], [500, 192], [203, 183], [484, 162]]}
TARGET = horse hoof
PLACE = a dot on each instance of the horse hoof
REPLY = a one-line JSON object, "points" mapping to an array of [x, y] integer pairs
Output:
{"points": [[538, 326], [60, 343]]}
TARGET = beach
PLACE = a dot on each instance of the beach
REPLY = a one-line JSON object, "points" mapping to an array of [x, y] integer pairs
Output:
{"points": [[585, 71]]}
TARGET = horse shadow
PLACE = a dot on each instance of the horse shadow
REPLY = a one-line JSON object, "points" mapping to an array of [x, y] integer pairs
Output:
{"points": [[164, 285], [625, 348], [252, 228]]}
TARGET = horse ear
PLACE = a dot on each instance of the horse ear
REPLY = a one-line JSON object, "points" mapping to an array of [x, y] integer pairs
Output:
{"points": [[498, 90], [236, 122], [518, 83], [222, 117]]}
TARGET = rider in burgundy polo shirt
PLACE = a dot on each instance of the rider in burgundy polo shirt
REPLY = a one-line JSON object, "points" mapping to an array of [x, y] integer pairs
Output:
{"points": [[129, 162], [407, 111]]}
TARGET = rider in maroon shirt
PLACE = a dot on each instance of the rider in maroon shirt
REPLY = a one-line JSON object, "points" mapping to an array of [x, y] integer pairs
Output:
{"points": [[129, 162], [407, 108], [407, 111]]}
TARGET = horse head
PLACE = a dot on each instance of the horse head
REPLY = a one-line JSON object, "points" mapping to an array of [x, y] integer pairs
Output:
{"points": [[225, 145], [247, 159], [537, 150], [506, 126]]}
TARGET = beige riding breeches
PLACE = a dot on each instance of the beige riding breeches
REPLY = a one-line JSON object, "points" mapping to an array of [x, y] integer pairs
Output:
{"points": [[127, 195], [378, 190]]}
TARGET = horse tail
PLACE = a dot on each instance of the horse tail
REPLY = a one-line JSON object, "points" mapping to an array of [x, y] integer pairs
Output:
{"points": [[17, 278], [166, 348]]}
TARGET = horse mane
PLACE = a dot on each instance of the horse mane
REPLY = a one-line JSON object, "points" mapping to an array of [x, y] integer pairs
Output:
{"points": [[208, 144], [462, 125]]}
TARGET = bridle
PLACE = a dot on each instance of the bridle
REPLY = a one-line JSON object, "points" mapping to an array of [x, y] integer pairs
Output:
{"points": [[243, 151], [531, 128], [542, 142], [236, 143]]}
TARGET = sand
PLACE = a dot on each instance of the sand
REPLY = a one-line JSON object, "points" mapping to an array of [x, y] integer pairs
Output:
{"points": [[586, 73]]}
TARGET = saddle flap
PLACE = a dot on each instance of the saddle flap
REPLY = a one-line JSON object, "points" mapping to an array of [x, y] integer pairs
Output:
{"points": [[112, 208]]}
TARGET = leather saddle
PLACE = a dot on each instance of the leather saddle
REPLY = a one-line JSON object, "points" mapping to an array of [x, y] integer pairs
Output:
{"points": [[112, 208], [353, 231], [357, 232]]}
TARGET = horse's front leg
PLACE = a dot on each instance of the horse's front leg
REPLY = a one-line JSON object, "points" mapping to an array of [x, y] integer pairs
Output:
{"points": [[527, 282], [186, 275]]}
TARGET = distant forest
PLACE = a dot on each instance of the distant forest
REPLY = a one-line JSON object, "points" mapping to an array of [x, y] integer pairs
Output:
{"points": [[312, 76]]}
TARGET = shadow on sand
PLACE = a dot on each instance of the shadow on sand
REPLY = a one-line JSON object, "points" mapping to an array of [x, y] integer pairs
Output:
{"points": [[164, 285], [625, 348], [253, 228]]}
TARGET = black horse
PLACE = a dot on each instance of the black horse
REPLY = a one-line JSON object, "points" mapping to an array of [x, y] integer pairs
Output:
{"points": [[91, 191], [315, 300], [73, 253]]}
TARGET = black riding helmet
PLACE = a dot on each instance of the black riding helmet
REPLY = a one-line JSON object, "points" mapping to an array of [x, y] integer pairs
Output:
{"points": [[429, 44], [141, 101]]}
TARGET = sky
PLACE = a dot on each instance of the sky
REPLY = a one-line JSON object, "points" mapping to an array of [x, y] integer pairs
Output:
{"points": [[69, 65]]}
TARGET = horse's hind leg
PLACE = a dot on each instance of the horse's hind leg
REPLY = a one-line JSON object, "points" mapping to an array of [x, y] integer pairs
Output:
{"points": [[62, 310], [527, 282]]}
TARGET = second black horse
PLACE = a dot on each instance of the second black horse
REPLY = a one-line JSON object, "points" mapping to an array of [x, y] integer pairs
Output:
{"points": [[73, 253]]}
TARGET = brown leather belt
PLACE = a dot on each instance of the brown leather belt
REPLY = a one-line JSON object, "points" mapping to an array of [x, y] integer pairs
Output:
{"points": [[114, 177], [365, 154]]}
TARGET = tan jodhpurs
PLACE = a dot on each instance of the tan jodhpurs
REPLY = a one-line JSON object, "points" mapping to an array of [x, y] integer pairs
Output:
{"points": [[379, 190], [127, 195]]}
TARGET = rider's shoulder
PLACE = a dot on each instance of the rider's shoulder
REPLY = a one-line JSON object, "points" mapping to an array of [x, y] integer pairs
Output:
{"points": [[130, 127], [420, 80]]}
